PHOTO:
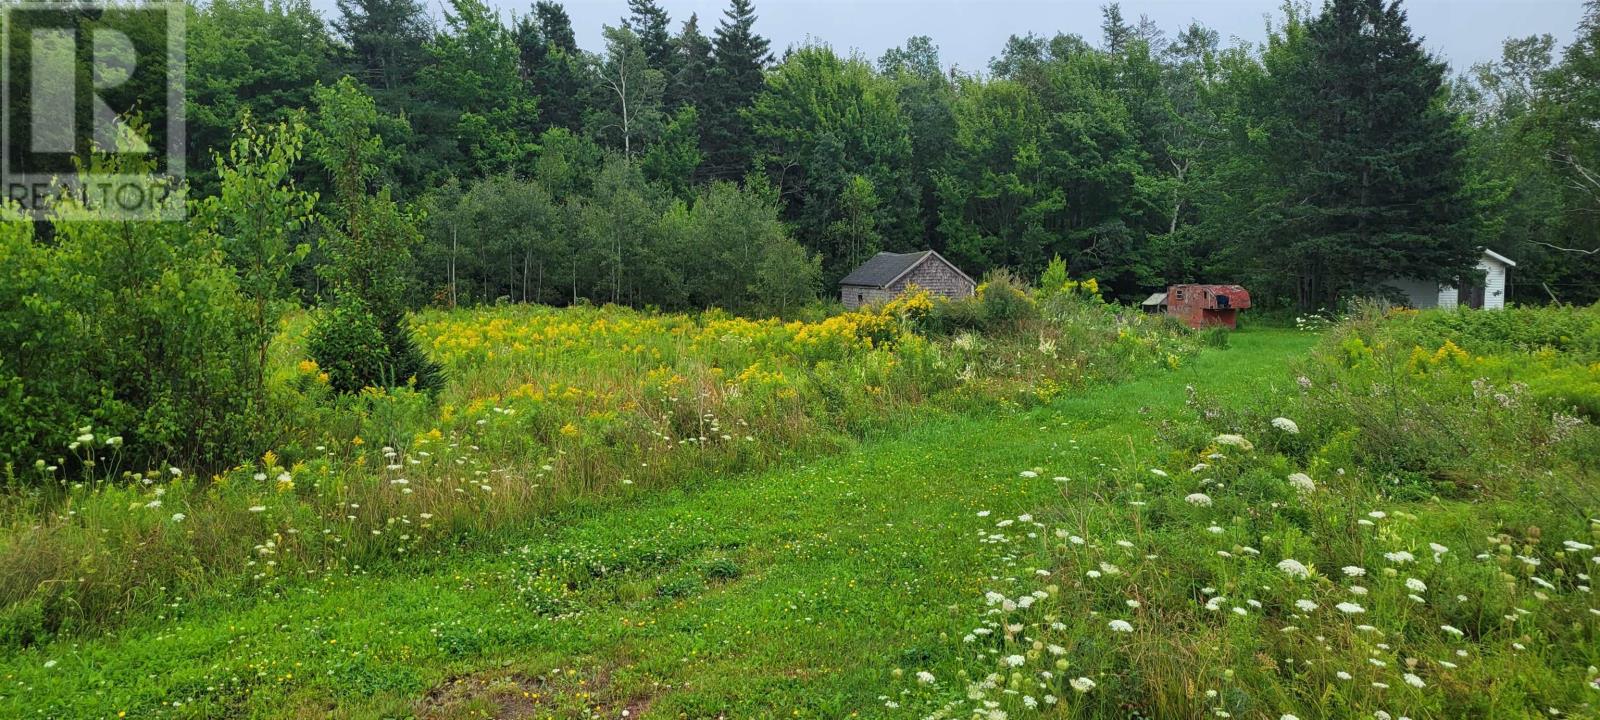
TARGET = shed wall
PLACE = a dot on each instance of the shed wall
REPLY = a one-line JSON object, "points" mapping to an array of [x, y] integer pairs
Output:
{"points": [[855, 296], [935, 277]]}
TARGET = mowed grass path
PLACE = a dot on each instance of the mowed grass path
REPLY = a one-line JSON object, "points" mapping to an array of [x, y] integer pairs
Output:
{"points": [[788, 593]]}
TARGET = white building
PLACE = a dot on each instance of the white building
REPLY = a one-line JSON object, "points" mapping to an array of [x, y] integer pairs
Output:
{"points": [[1490, 296]]}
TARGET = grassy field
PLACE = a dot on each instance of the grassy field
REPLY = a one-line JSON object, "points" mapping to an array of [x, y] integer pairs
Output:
{"points": [[793, 592]]}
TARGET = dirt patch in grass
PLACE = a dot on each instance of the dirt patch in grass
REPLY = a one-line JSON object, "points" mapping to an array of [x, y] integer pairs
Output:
{"points": [[510, 695]]}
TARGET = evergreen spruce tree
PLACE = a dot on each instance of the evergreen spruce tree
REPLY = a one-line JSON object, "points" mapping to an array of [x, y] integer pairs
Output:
{"points": [[385, 40], [740, 58], [551, 67], [1372, 167], [556, 25], [688, 84], [651, 23]]}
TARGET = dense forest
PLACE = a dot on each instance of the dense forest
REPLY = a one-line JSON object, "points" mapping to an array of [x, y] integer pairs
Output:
{"points": [[686, 165], [1332, 157]]}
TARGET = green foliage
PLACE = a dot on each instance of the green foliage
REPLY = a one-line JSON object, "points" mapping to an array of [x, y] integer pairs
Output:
{"points": [[256, 217], [348, 345], [132, 329], [369, 243], [787, 278], [840, 149], [1005, 301]]}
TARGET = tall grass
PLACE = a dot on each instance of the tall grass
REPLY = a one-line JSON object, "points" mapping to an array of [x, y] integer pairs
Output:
{"points": [[541, 408], [1401, 530]]}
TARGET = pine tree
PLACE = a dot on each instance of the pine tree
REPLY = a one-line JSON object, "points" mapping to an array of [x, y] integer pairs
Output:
{"points": [[1370, 159], [556, 26], [1116, 31], [385, 38], [740, 58], [651, 23], [550, 66], [688, 85]]}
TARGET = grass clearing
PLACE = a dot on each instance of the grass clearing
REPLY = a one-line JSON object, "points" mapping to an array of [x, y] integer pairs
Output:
{"points": [[793, 591]]}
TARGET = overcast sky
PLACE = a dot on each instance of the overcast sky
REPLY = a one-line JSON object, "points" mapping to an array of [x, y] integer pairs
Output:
{"points": [[970, 32]]}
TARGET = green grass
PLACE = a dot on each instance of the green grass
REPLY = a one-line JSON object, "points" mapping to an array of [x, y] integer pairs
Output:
{"points": [[793, 592]]}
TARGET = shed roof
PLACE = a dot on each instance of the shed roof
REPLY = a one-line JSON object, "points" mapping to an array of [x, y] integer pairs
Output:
{"points": [[886, 267], [883, 268], [1497, 256], [1155, 299]]}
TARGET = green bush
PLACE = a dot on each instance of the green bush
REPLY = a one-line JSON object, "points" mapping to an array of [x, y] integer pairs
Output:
{"points": [[346, 343], [949, 318], [1006, 301], [134, 329]]}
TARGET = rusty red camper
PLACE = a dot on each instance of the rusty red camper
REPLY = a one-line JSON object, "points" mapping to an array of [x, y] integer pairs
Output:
{"points": [[1201, 306]]}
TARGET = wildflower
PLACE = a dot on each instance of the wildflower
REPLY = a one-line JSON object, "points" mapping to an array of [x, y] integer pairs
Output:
{"points": [[1120, 626], [1294, 568], [1082, 684], [1287, 716], [1350, 608], [1305, 605], [925, 677], [1286, 425], [1198, 499], [1028, 474], [1342, 675], [258, 508], [1357, 590], [1237, 441], [179, 517], [1400, 557], [1452, 630], [1302, 482], [983, 513], [1158, 472], [49, 664], [1416, 585], [1414, 681], [1015, 660], [153, 504], [1354, 571]]}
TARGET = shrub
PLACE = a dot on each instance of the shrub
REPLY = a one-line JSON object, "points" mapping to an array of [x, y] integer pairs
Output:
{"points": [[346, 343], [136, 329], [1005, 301]]}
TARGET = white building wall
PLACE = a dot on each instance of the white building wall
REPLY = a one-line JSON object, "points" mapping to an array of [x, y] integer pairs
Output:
{"points": [[1419, 294], [1449, 297], [1494, 285]]}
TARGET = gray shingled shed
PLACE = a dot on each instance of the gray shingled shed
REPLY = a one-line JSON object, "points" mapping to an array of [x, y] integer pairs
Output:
{"points": [[888, 274]]}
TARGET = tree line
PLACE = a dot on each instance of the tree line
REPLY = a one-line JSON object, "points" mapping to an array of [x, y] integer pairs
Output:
{"points": [[685, 166]]}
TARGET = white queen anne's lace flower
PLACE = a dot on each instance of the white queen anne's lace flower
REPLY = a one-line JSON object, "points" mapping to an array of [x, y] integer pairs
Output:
{"points": [[1399, 557], [1120, 626], [1232, 440], [1294, 568], [1198, 499], [1082, 684], [1302, 483], [1286, 425]]}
